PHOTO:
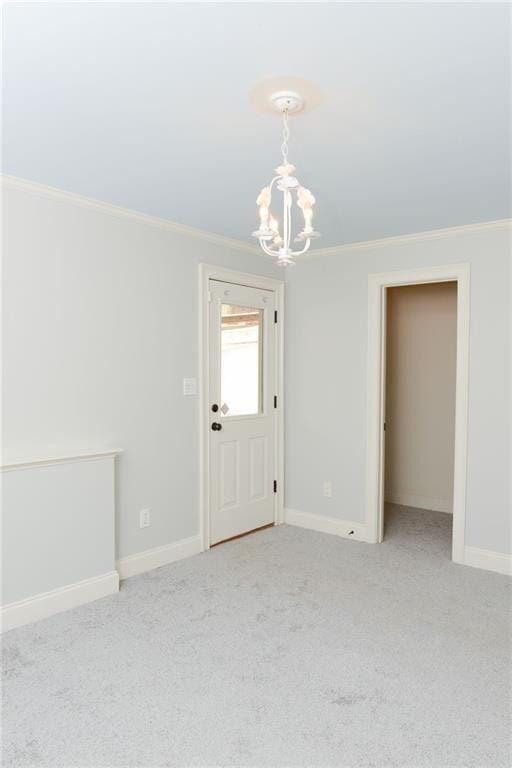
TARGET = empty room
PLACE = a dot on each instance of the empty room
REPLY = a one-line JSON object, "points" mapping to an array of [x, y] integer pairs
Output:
{"points": [[256, 385]]}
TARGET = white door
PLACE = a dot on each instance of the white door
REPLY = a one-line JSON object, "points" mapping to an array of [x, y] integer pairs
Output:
{"points": [[242, 407]]}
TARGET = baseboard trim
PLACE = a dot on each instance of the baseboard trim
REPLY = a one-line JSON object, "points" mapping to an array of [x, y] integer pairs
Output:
{"points": [[422, 502], [473, 556], [154, 558], [58, 600], [488, 560], [324, 524]]}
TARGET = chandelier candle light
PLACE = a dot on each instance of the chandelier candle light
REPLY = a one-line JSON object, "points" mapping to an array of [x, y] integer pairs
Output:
{"points": [[272, 240]]}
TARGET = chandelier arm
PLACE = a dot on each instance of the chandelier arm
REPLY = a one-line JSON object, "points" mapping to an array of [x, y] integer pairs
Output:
{"points": [[286, 232], [268, 250], [290, 202], [306, 248], [276, 178]]}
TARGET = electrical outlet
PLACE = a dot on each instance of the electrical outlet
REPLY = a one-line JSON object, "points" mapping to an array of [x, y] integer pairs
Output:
{"points": [[144, 518], [328, 489]]}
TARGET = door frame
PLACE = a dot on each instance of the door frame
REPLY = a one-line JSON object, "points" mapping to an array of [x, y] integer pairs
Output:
{"points": [[377, 287], [209, 272]]}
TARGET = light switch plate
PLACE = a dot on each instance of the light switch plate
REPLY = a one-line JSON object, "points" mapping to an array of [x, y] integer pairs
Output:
{"points": [[144, 518], [190, 386]]}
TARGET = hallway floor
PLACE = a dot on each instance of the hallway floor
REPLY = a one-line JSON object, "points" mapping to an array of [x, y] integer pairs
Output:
{"points": [[420, 528], [284, 648]]}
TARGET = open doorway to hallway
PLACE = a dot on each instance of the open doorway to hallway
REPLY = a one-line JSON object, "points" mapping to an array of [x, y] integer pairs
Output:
{"points": [[420, 387]]}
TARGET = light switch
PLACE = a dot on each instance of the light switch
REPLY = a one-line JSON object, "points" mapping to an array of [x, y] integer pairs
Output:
{"points": [[190, 386]]}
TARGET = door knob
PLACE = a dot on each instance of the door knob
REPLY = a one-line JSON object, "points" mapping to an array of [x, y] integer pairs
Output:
{"points": [[216, 426]]}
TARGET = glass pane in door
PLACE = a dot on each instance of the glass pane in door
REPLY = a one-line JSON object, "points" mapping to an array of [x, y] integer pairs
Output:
{"points": [[241, 360]]}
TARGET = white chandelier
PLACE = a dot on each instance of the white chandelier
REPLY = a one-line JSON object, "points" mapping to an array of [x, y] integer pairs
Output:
{"points": [[272, 240]]}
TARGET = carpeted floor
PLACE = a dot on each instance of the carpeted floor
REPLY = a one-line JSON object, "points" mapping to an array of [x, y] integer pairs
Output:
{"points": [[284, 648]]}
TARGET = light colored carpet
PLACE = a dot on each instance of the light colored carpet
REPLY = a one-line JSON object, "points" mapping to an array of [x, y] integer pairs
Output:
{"points": [[284, 648]]}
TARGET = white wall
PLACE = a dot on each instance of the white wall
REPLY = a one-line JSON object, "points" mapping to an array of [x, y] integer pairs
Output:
{"points": [[100, 327], [58, 529], [420, 394], [326, 363]]}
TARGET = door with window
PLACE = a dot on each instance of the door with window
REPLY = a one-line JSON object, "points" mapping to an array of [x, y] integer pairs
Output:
{"points": [[242, 409]]}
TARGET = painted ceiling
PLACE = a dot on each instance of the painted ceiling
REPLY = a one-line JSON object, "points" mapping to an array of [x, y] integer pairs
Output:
{"points": [[146, 105]]}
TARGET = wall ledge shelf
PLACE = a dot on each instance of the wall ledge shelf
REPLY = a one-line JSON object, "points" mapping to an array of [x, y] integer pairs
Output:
{"points": [[108, 453]]}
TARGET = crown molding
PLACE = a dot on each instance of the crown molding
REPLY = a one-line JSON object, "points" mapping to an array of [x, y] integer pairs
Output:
{"points": [[117, 211], [416, 237], [42, 190]]}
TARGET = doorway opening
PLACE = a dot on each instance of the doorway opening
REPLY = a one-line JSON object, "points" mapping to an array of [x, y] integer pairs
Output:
{"points": [[379, 286], [420, 376]]}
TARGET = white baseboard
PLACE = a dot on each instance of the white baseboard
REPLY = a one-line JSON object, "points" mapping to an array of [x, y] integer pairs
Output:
{"points": [[422, 502], [57, 600], [477, 558], [326, 524], [488, 560], [154, 558]]}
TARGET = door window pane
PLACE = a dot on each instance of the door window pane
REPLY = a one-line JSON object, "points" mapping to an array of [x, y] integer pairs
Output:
{"points": [[240, 368]]}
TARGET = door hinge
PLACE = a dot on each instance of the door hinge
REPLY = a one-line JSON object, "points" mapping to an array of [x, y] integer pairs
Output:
{"points": [[275, 401], [209, 296], [384, 426], [275, 316], [275, 486]]}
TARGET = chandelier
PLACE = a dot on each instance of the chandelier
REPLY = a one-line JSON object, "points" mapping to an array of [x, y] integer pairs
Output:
{"points": [[274, 240]]}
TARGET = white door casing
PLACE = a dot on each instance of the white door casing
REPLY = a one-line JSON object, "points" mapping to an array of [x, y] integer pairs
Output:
{"points": [[243, 455], [377, 286], [382, 447]]}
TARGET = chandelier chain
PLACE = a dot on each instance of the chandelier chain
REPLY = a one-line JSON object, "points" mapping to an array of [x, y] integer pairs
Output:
{"points": [[286, 136]]}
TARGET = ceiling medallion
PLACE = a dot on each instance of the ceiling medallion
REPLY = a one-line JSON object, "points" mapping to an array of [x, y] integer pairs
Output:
{"points": [[274, 240]]}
